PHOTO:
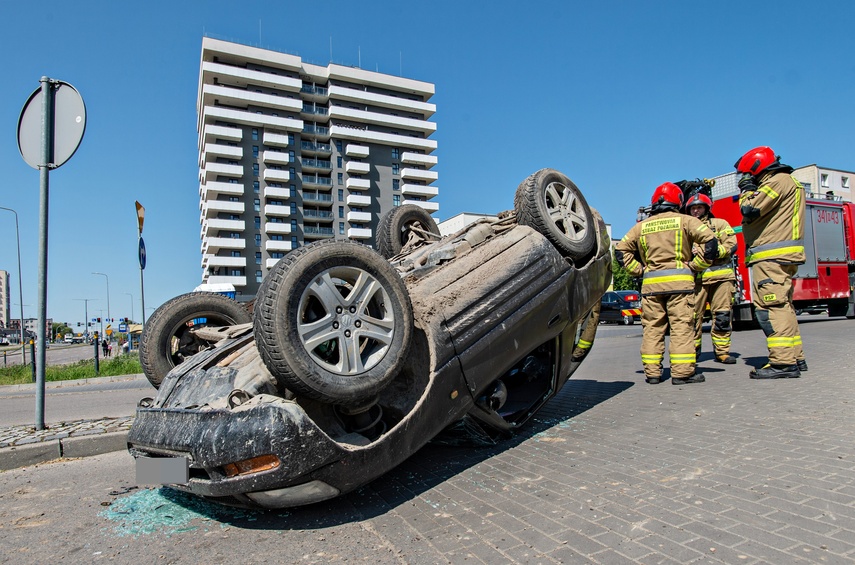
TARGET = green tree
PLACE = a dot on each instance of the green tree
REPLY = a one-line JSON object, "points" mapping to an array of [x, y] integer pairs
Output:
{"points": [[621, 278]]}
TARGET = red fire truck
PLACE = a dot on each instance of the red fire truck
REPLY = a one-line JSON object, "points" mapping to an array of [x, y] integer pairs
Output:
{"points": [[827, 279]]}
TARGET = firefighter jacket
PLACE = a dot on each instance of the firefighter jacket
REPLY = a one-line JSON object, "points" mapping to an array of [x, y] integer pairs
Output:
{"points": [[773, 218], [722, 266], [660, 249]]}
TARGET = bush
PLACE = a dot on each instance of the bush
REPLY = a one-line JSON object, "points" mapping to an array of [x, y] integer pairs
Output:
{"points": [[122, 365]]}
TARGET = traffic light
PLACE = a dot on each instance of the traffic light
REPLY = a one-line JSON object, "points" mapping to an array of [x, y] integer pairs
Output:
{"points": [[98, 320], [79, 324]]}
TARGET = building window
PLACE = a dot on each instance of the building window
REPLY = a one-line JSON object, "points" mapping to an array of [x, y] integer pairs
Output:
{"points": [[396, 200], [396, 184], [258, 240], [844, 182], [233, 181], [341, 228], [394, 153], [294, 243], [277, 255], [341, 195], [291, 156], [255, 169], [254, 134], [293, 190], [395, 168], [235, 253], [823, 180], [290, 139], [338, 161], [341, 211], [294, 226], [277, 237], [235, 273], [235, 235], [258, 276], [258, 257], [255, 186], [234, 199], [257, 223], [255, 151], [338, 145], [256, 205], [340, 178], [293, 208]]}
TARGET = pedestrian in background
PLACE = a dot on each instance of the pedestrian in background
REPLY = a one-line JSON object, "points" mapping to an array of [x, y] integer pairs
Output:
{"points": [[717, 283], [772, 203], [104, 347], [659, 249]]}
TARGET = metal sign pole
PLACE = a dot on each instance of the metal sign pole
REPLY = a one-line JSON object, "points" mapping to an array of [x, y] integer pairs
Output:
{"points": [[44, 183]]}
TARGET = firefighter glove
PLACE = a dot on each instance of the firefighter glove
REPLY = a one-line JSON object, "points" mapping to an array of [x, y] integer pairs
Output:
{"points": [[746, 182]]}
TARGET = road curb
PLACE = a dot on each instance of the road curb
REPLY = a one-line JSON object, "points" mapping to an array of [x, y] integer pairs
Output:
{"points": [[83, 446]]}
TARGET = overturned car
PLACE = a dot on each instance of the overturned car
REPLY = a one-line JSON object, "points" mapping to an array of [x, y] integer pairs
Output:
{"points": [[355, 359]]}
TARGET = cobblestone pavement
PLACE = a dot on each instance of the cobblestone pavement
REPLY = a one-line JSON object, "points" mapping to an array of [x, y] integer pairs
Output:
{"points": [[16, 436]]}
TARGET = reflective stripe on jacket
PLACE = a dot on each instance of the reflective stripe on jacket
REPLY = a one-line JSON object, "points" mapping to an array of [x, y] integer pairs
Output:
{"points": [[722, 267]]}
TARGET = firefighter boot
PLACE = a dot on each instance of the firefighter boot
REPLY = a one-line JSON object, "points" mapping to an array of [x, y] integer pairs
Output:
{"points": [[802, 365], [696, 378], [726, 359], [776, 372]]}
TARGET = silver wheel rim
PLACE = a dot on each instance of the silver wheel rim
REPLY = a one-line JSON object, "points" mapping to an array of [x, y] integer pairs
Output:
{"points": [[566, 211], [344, 320]]}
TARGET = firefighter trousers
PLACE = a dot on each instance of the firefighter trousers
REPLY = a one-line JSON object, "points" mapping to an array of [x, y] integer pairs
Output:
{"points": [[720, 297], [659, 312], [587, 335], [772, 288]]}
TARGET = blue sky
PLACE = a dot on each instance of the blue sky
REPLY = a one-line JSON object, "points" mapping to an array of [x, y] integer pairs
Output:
{"points": [[621, 96]]}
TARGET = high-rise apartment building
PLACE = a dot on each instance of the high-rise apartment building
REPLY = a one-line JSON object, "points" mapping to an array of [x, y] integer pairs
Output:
{"points": [[4, 299], [291, 152]]}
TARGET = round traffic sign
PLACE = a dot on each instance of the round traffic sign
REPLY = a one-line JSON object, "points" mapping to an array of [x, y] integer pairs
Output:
{"points": [[65, 130], [142, 254]]}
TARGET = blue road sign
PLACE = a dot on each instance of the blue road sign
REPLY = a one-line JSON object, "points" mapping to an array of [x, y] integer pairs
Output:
{"points": [[142, 254]]}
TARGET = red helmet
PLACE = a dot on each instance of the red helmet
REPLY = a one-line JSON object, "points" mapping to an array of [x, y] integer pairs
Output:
{"points": [[699, 199], [756, 161], [667, 194]]}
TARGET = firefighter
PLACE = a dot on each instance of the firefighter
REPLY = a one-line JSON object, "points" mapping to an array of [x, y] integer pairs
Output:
{"points": [[589, 332], [772, 203], [659, 249], [717, 284]]}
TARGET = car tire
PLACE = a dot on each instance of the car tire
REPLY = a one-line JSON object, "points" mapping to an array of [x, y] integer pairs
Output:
{"points": [[627, 320], [326, 298], [393, 230], [166, 340], [550, 203]]}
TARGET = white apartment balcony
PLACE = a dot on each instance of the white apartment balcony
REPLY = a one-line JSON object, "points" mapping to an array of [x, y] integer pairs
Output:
{"points": [[358, 217], [419, 174], [396, 140], [245, 117], [276, 192], [358, 151], [359, 233], [276, 157], [315, 232], [325, 182], [277, 210], [357, 184], [217, 261], [212, 244], [352, 95], [270, 263], [211, 170], [237, 281], [210, 207], [276, 139], [429, 206], [228, 74], [419, 190], [276, 175], [315, 113], [316, 148], [222, 132], [358, 200], [357, 168], [276, 227], [213, 188], [230, 96], [222, 224], [377, 118], [318, 132], [418, 159], [271, 245], [317, 198], [314, 93], [223, 151]]}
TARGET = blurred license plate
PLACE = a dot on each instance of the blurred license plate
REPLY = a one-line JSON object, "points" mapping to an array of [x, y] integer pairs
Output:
{"points": [[636, 304], [163, 470]]}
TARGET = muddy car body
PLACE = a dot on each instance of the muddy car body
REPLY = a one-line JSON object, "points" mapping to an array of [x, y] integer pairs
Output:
{"points": [[495, 309]]}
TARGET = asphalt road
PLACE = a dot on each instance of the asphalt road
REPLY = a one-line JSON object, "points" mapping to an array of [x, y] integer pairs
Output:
{"points": [[57, 354], [611, 471]]}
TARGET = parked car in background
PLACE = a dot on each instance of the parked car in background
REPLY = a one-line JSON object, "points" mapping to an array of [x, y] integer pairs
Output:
{"points": [[621, 306]]}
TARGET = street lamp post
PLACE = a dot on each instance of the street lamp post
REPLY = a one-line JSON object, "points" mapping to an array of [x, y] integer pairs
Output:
{"points": [[108, 291], [20, 286], [86, 314], [132, 305]]}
